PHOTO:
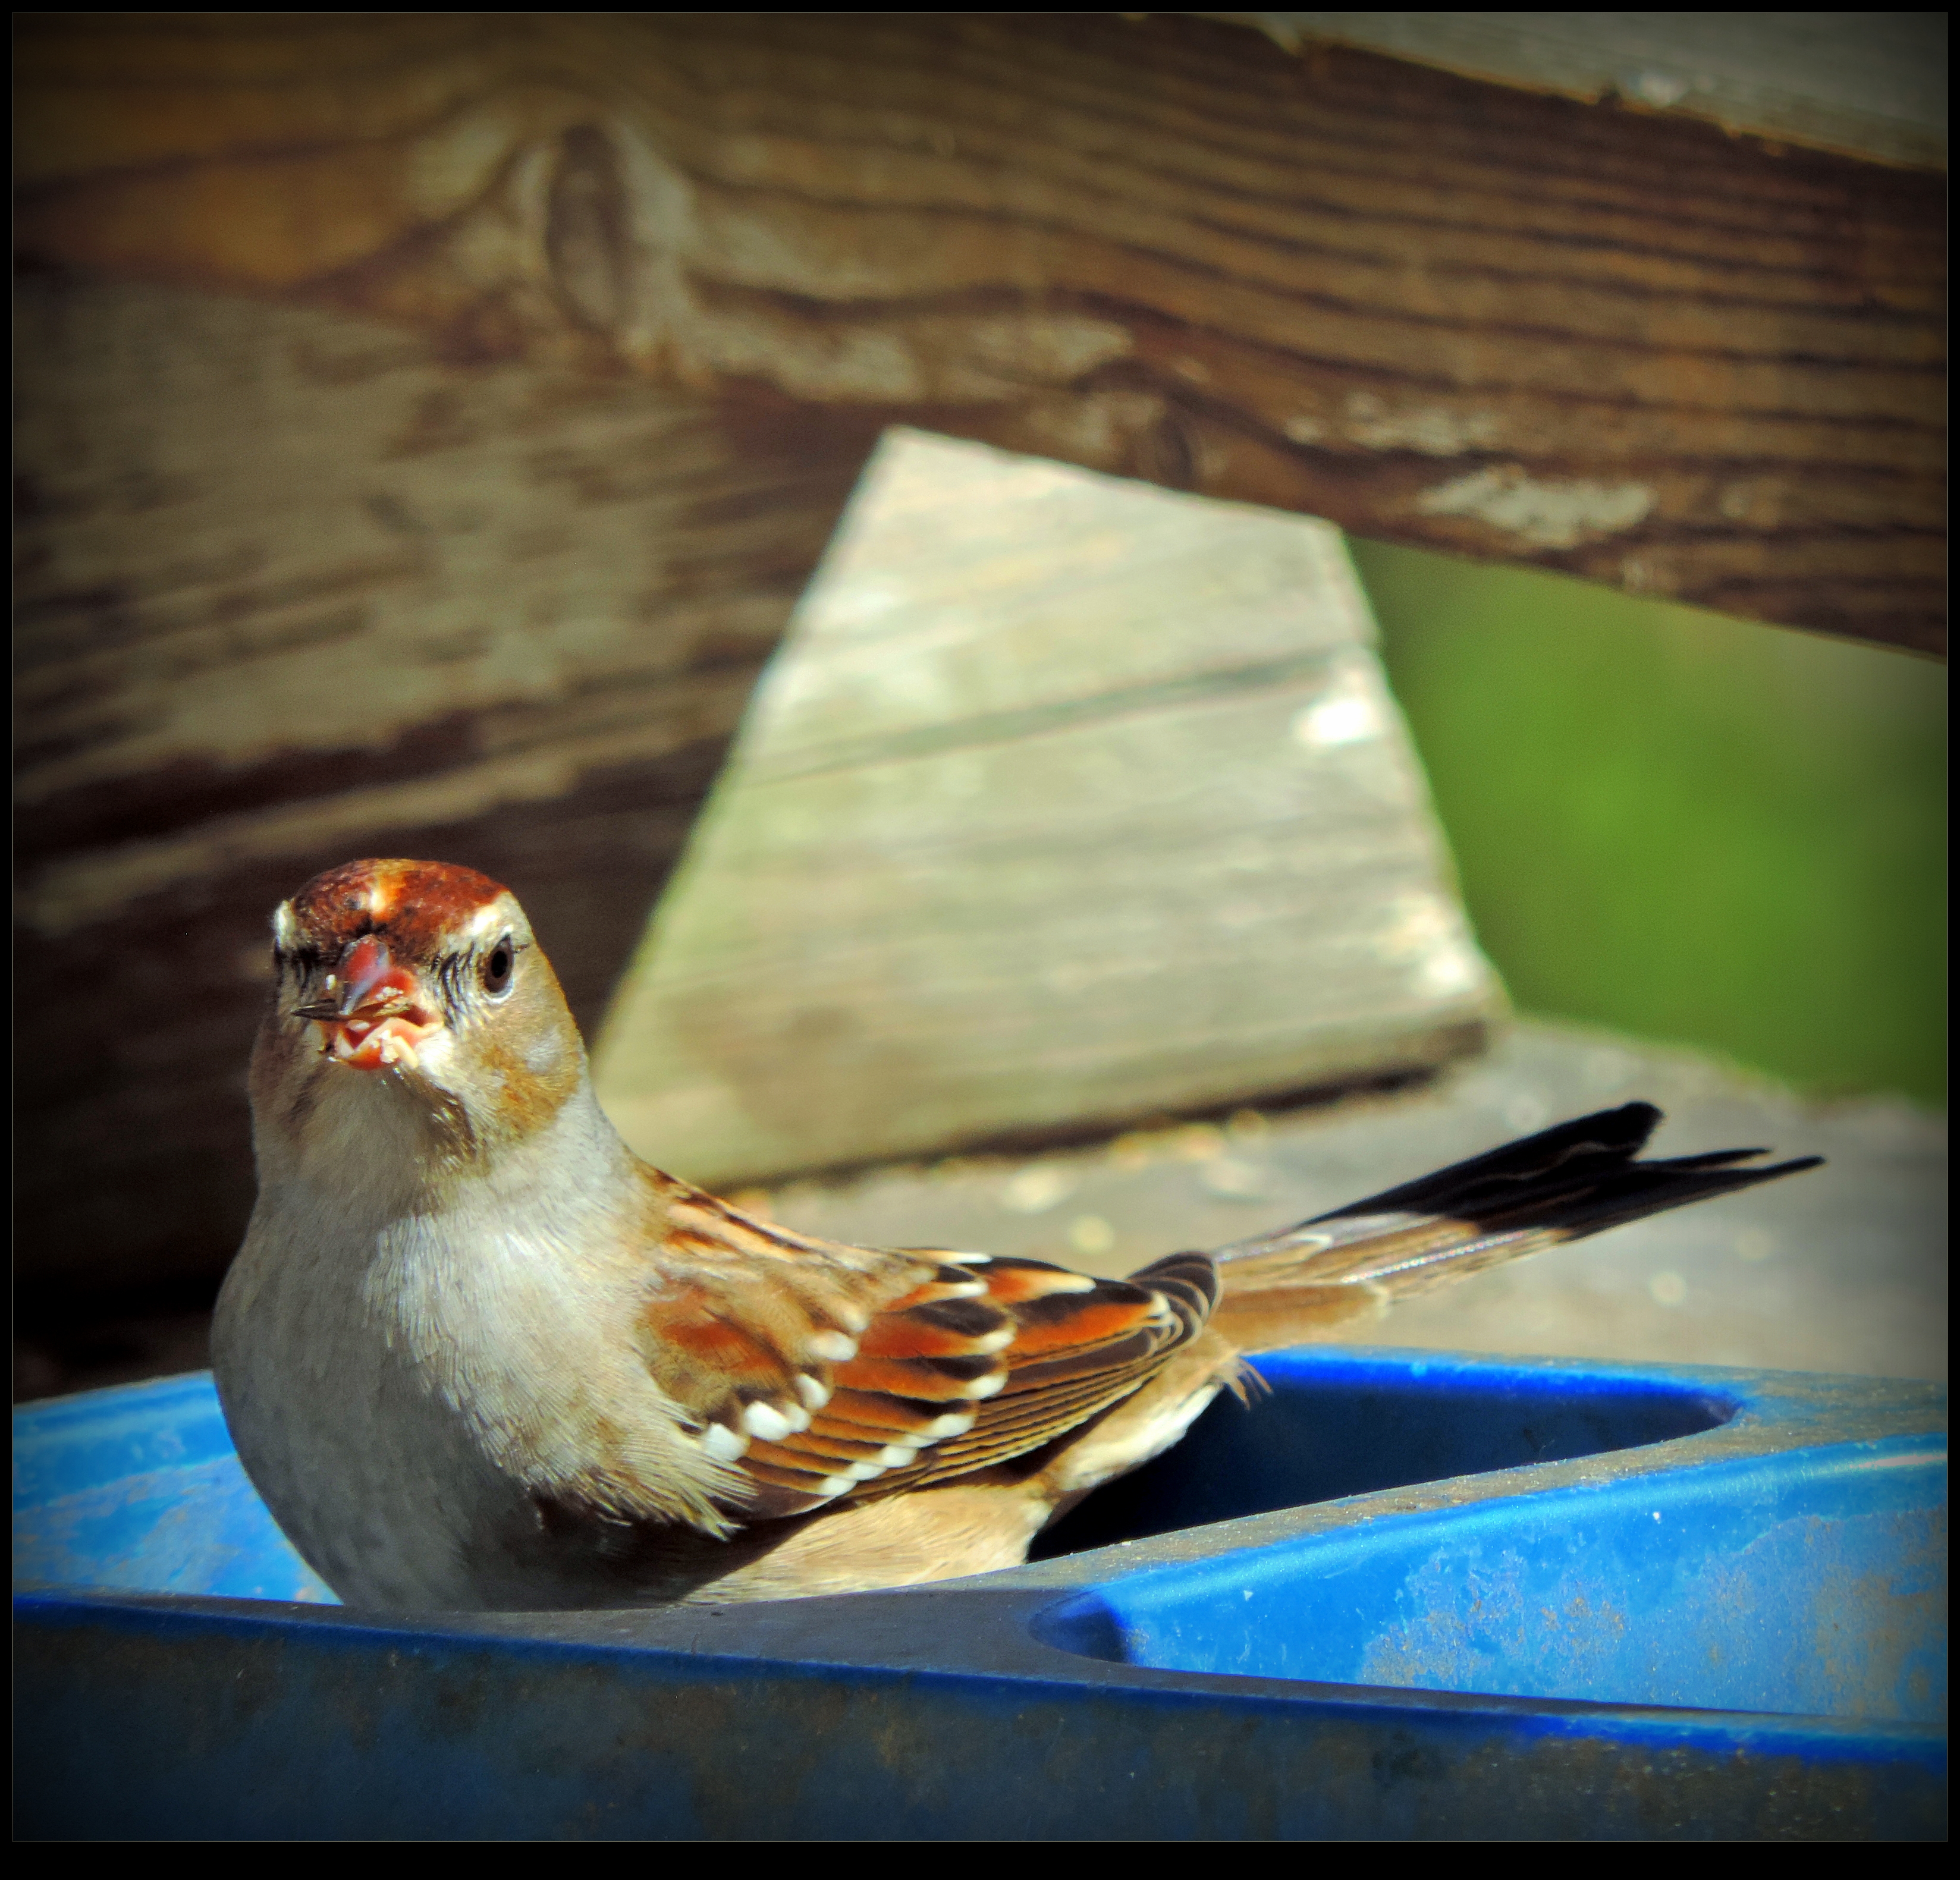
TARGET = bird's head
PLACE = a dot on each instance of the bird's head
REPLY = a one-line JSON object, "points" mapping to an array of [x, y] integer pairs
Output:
{"points": [[412, 1006]]}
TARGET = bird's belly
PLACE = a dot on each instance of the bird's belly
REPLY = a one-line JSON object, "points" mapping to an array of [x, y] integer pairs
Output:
{"points": [[393, 1533], [371, 1476]]}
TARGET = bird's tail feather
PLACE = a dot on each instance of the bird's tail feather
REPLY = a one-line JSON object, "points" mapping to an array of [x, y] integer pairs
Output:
{"points": [[1563, 1183]]}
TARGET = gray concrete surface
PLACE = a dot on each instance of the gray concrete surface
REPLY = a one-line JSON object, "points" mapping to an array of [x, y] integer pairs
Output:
{"points": [[1841, 1269]]}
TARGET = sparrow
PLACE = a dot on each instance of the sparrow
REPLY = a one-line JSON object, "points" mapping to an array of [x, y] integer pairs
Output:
{"points": [[475, 1354]]}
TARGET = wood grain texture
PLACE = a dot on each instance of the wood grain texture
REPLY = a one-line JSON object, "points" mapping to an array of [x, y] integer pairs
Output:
{"points": [[291, 586], [1065, 800], [1613, 342]]}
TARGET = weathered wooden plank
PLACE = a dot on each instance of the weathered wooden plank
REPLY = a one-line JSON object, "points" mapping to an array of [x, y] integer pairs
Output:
{"points": [[1065, 800], [291, 586], [1614, 341], [1869, 85]]}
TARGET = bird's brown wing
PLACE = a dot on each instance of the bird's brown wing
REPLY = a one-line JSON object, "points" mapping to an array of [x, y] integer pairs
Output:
{"points": [[985, 1360], [821, 1372], [1079, 1345]]}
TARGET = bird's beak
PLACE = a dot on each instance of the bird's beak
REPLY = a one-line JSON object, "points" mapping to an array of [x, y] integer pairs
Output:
{"points": [[375, 1016]]}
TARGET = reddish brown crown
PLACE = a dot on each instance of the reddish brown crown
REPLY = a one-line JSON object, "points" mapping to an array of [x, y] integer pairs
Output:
{"points": [[415, 905]]}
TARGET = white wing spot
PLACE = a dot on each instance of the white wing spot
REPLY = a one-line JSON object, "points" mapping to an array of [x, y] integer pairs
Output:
{"points": [[814, 1394], [835, 1485], [994, 1341], [968, 1259], [833, 1347], [955, 1425], [988, 1386], [765, 1420], [725, 1444]]}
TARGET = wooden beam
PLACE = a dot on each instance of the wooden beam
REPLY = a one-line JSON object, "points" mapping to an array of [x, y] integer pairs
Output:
{"points": [[290, 586], [1616, 341], [1868, 84]]}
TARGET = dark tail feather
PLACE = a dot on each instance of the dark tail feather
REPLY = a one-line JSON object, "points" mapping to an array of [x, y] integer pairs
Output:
{"points": [[1639, 1189], [1570, 1154], [1578, 1179], [1580, 1175]]}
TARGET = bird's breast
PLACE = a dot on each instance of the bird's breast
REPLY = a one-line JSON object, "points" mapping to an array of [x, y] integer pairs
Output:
{"points": [[371, 1467], [411, 1395]]}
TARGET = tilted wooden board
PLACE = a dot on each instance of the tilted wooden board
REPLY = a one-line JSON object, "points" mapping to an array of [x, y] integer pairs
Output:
{"points": [[1605, 338], [1065, 800]]}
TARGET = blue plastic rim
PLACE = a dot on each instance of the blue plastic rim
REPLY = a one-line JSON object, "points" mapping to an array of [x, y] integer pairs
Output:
{"points": [[1730, 1585], [1808, 1582]]}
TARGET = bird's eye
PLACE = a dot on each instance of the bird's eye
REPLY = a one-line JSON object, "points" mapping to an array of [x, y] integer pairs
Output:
{"points": [[500, 962]]}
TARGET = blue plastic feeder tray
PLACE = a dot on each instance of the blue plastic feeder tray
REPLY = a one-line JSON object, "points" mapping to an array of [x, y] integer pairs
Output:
{"points": [[1406, 1595]]}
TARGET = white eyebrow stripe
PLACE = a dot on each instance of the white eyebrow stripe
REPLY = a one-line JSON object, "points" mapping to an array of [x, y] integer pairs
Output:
{"points": [[481, 922]]}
